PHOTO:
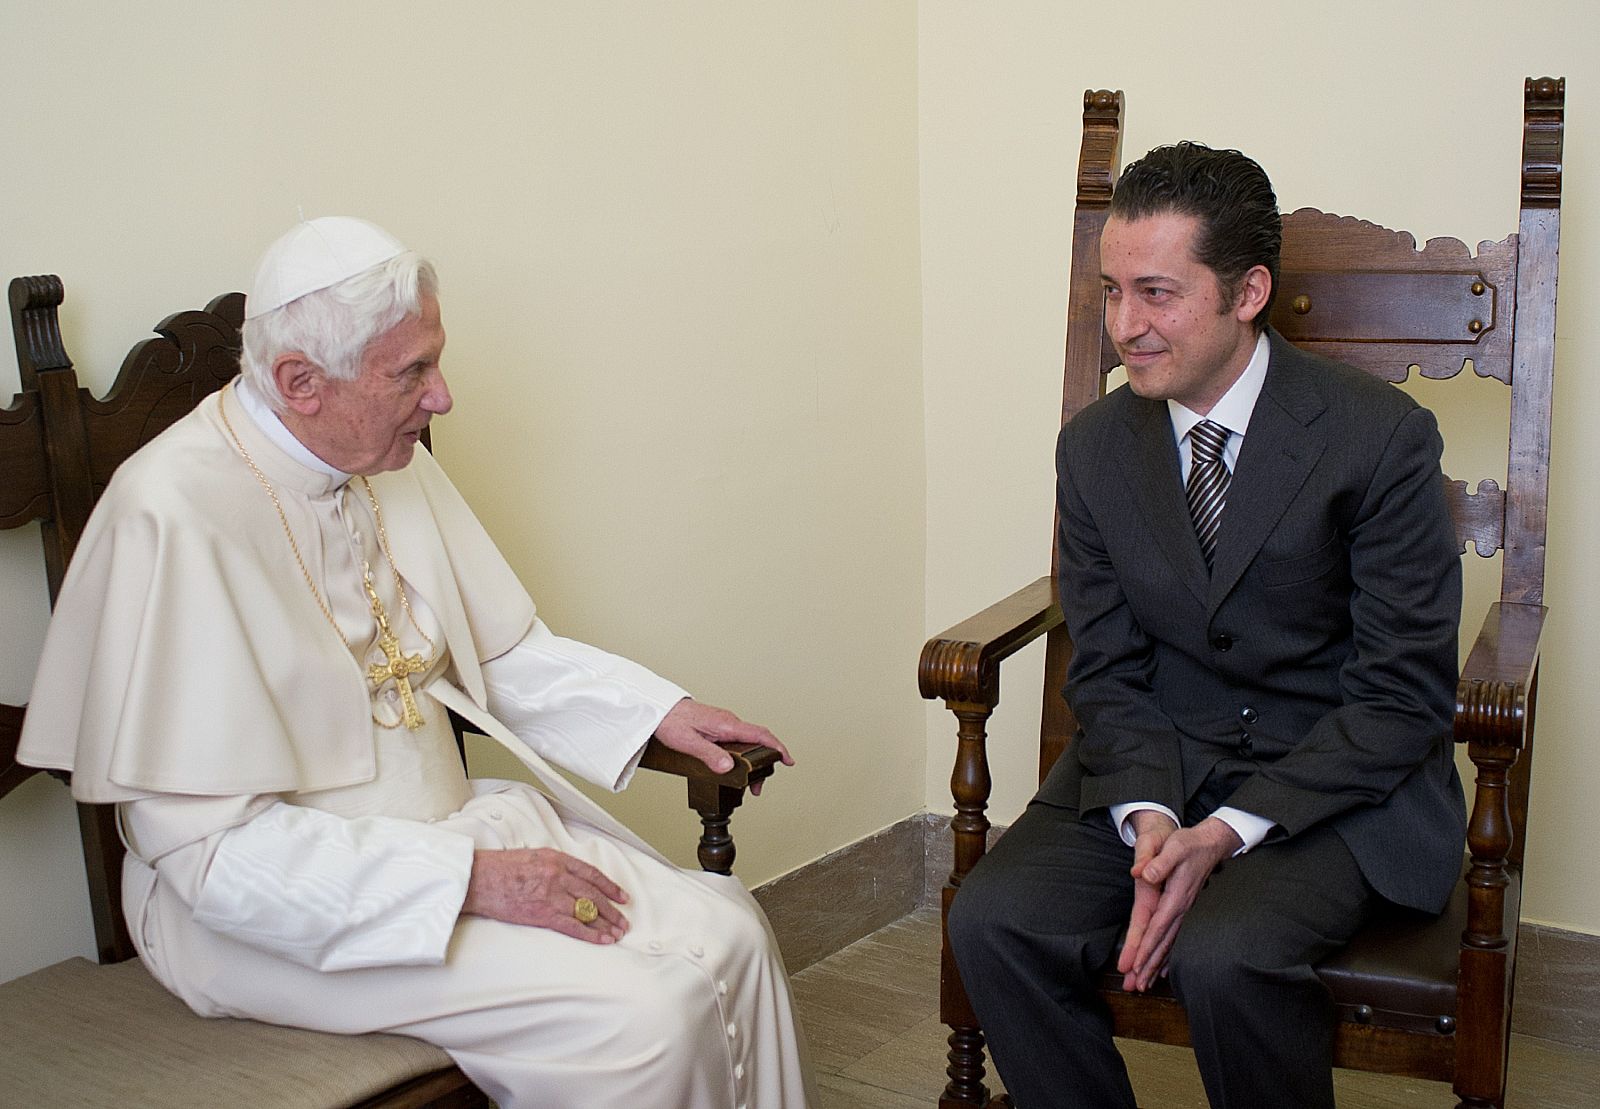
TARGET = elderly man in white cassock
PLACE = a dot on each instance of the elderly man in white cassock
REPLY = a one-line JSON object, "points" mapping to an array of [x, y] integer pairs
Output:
{"points": [[252, 656]]}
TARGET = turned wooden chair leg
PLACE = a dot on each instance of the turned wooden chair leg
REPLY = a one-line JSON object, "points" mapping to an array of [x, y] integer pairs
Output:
{"points": [[969, 786], [715, 804]]}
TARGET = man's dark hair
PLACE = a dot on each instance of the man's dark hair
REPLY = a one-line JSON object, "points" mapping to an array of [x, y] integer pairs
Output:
{"points": [[1230, 195]]}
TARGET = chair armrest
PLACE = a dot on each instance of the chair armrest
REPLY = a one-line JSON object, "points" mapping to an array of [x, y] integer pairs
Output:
{"points": [[714, 796], [1498, 678], [962, 663], [1494, 718], [751, 763]]}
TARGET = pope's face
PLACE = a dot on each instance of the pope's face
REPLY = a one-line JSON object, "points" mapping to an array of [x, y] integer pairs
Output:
{"points": [[1179, 338], [372, 424]]}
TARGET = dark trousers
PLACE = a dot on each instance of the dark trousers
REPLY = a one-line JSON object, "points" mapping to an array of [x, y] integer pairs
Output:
{"points": [[1040, 917]]}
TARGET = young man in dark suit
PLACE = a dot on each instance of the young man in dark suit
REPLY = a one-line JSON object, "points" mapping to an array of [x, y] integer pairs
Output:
{"points": [[1262, 584]]}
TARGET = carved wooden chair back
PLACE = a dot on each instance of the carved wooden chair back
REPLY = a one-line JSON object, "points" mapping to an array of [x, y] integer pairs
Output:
{"points": [[1424, 999], [58, 448]]}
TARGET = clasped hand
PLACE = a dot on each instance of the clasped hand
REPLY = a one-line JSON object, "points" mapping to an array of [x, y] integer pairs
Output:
{"points": [[1170, 866]]}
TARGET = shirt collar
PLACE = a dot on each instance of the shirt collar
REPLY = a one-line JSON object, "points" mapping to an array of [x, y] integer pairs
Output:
{"points": [[262, 415], [1234, 409]]}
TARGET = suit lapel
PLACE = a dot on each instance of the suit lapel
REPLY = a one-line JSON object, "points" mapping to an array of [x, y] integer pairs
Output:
{"points": [[1152, 472], [1281, 447]]}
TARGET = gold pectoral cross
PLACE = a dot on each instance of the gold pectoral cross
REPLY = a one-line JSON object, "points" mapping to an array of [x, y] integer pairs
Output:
{"points": [[396, 666], [399, 668]]}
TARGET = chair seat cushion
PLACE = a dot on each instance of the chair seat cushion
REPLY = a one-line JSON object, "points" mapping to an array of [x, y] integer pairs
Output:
{"points": [[1400, 971], [93, 1036]]}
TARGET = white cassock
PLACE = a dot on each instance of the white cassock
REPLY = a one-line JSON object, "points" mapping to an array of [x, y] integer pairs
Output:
{"points": [[299, 856]]}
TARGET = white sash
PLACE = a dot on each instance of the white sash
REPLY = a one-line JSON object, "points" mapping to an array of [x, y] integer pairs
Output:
{"points": [[568, 800]]}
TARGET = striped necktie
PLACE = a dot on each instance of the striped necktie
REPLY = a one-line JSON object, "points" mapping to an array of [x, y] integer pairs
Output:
{"points": [[1209, 479]]}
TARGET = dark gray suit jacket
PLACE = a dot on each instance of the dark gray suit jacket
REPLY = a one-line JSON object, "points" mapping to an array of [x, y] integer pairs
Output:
{"points": [[1314, 669]]}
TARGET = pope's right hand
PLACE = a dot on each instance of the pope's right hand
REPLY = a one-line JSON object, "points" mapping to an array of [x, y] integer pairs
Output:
{"points": [[541, 887]]}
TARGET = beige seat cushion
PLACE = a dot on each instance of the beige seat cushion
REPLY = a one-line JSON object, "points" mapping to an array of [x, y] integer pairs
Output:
{"points": [[81, 1035]]}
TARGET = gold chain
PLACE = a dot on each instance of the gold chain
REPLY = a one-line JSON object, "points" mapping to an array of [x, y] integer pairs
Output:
{"points": [[388, 555], [397, 668]]}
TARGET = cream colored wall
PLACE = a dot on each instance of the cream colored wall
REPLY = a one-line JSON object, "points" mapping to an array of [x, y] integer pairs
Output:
{"points": [[683, 247], [1378, 109], [678, 244]]}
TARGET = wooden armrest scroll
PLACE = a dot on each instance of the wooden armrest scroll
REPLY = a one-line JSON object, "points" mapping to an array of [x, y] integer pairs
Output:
{"points": [[1494, 717], [1492, 693], [962, 663]]}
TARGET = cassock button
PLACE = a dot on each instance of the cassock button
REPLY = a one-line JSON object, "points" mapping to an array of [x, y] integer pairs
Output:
{"points": [[1222, 641], [738, 1070], [722, 987], [655, 945], [1246, 747], [733, 1031], [496, 814], [696, 950], [1249, 715]]}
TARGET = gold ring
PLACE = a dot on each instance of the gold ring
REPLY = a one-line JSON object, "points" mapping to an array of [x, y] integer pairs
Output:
{"points": [[584, 910]]}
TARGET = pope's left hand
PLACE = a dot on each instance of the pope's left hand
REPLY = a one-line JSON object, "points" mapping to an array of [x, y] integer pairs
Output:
{"points": [[698, 729]]}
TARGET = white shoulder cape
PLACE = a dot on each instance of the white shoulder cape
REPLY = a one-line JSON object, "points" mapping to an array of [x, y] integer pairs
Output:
{"points": [[186, 654]]}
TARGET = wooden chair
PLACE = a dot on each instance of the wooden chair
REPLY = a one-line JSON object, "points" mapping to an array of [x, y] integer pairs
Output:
{"points": [[1426, 999], [85, 1035]]}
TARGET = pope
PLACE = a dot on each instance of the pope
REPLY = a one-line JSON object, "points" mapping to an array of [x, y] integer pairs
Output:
{"points": [[271, 610]]}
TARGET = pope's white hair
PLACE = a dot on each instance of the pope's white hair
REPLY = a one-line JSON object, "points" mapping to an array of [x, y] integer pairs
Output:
{"points": [[332, 327]]}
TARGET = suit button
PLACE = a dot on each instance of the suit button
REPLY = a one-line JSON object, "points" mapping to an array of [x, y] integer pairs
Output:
{"points": [[1246, 747], [1222, 641], [1249, 715]]}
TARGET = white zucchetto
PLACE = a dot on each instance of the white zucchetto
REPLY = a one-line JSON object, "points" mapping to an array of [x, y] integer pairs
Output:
{"points": [[315, 254]]}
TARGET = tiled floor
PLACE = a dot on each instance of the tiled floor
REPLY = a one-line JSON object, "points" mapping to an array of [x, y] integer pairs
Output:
{"points": [[871, 1016]]}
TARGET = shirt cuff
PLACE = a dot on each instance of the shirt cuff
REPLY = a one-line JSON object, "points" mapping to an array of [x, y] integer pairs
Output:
{"points": [[1250, 828], [1121, 813]]}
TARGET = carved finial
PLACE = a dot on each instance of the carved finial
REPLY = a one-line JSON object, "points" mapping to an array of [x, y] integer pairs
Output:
{"points": [[1101, 100], [1545, 88], [1543, 110], [1102, 146], [36, 327]]}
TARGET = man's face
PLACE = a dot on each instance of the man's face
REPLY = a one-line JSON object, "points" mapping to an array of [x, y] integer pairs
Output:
{"points": [[372, 424], [1178, 337]]}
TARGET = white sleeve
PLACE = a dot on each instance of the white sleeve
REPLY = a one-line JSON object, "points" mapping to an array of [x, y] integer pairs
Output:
{"points": [[1120, 815], [583, 709], [319, 890], [1250, 828]]}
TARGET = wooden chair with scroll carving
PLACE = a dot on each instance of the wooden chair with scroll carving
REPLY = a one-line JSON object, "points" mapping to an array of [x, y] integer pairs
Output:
{"points": [[1429, 999], [84, 1035]]}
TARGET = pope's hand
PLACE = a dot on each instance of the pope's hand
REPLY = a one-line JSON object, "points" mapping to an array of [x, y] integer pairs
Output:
{"points": [[541, 887], [699, 729]]}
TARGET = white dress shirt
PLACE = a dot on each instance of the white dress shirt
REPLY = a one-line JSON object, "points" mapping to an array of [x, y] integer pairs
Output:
{"points": [[1233, 413]]}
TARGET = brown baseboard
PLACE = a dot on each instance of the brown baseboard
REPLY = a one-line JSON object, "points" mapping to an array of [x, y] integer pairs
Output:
{"points": [[831, 903], [1558, 986], [848, 894]]}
